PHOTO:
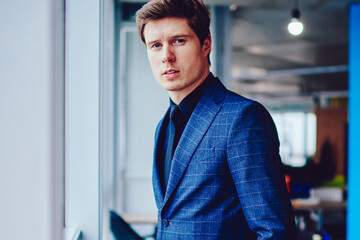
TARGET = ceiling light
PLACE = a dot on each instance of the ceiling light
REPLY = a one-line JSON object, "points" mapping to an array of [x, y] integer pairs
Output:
{"points": [[295, 26], [233, 7]]}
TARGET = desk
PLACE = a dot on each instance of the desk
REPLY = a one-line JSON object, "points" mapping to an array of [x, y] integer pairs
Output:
{"points": [[318, 207], [298, 204], [140, 218]]}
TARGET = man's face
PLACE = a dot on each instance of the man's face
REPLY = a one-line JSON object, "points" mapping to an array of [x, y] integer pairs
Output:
{"points": [[178, 60]]}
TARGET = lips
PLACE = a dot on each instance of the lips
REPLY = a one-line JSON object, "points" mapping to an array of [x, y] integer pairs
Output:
{"points": [[170, 71]]}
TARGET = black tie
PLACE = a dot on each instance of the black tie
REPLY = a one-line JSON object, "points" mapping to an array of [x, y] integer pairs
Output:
{"points": [[174, 109]]}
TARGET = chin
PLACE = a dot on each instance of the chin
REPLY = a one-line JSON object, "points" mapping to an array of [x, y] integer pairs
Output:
{"points": [[171, 89], [170, 86]]}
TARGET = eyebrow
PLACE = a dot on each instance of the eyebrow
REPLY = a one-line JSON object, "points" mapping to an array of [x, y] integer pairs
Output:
{"points": [[151, 43], [172, 37], [181, 36]]}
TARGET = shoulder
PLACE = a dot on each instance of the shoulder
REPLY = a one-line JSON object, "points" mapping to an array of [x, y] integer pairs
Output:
{"points": [[243, 105], [234, 105], [245, 113]]}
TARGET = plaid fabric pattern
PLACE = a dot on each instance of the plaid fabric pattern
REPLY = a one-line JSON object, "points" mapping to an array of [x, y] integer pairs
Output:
{"points": [[225, 180]]}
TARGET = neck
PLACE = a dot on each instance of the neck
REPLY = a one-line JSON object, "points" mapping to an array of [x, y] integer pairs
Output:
{"points": [[178, 96]]}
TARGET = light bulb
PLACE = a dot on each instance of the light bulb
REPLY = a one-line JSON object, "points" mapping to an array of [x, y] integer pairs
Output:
{"points": [[295, 27]]}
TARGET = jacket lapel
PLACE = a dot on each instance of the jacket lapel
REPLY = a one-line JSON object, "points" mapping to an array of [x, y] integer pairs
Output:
{"points": [[158, 190], [199, 122]]}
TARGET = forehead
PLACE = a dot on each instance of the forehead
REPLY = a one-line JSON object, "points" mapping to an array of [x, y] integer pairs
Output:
{"points": [[166, 27]]}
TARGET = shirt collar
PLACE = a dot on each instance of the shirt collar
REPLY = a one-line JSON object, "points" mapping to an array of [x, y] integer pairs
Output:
{"points": [[188, 104]]}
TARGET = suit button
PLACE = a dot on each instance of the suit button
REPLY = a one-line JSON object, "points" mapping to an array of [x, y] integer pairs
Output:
{"points": [[165, 222]]}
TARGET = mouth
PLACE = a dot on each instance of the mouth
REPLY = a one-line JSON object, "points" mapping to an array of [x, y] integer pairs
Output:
{"points": [[170, 72]]}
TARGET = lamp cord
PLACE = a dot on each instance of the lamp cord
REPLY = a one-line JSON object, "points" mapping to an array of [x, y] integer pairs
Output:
{"points": [[296, 4]]}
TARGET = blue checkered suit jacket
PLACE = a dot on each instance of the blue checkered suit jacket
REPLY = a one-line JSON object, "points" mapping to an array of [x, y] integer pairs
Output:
{"points": [[225, 180]]}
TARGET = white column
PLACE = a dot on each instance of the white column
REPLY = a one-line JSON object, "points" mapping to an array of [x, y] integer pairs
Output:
{"points": [[82, 144]]}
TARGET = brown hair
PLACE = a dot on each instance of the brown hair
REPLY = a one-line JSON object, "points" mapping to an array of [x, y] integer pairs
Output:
{"points": [[195, 11]]}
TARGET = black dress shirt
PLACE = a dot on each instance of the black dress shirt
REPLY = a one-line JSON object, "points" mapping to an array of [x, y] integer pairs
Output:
{"points": [[187, 106]]}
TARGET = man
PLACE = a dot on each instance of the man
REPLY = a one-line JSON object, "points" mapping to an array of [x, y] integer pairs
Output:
{"points": [[216, 171]]}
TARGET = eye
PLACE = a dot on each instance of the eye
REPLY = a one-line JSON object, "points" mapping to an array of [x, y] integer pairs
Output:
{"points": [[156, 45], [179, 41]]}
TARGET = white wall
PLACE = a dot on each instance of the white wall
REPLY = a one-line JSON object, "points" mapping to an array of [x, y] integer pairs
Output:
{"points": [[29, 65]]}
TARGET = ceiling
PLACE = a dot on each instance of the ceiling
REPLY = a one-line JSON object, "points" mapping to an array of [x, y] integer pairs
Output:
{"points": [[281, 70], [271, 64]]}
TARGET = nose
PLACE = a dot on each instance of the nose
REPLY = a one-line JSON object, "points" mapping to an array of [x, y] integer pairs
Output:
{"points": [[168, 55]]}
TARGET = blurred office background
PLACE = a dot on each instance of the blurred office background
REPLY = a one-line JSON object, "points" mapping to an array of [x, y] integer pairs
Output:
{"points": [[74, 143]]}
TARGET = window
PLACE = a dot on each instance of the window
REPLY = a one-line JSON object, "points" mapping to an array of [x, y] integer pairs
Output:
{"points": [[297, 135]]}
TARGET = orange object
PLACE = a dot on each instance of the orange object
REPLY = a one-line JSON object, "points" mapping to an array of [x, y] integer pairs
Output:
{"points": [[287, 180]]}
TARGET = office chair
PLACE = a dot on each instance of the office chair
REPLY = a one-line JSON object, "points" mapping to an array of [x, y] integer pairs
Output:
{"points": [[121, 229]]}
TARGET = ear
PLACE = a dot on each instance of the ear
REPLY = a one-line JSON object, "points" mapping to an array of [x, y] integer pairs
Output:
{"points": [[206, 47]]}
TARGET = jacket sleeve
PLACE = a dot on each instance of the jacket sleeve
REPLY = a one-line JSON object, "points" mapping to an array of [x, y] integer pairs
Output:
{"points": [[255, 165]]}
